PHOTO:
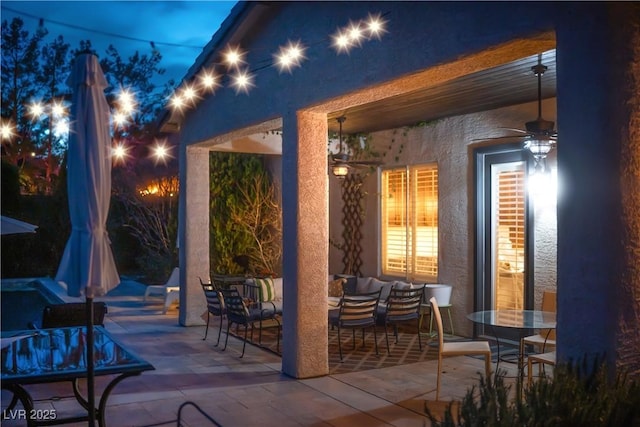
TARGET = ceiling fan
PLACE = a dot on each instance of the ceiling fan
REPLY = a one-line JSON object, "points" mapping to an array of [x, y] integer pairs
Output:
{"points": [[539, 135], [341, 161]]}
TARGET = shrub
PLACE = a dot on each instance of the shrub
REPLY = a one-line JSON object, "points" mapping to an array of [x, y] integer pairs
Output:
{"points": [[574, 396]]}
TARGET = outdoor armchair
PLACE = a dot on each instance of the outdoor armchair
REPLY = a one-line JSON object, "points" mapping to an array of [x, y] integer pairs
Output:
{"points": [[242, 312], [356, 311], [215, 306], [402, 306]]}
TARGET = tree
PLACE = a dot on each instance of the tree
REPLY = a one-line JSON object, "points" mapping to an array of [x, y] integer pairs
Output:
{"points": [[33, 70], [244, 215], [55, 68], [20, 68]]}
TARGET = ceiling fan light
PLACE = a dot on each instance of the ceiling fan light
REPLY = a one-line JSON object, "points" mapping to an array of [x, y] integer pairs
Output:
{"points": [[340, 171], [539, 147]]}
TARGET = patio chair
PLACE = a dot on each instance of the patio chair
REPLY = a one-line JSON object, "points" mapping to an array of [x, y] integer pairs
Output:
{"points": [[546, 338], [357, 311], [70, 314], [466, 348], [247, 314], [170, 290], [541, 358], [403, 306], [215, 306]]}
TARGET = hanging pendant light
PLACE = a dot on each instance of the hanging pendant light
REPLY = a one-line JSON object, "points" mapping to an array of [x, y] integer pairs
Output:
{"points": [[340, 170], [542, 135]]}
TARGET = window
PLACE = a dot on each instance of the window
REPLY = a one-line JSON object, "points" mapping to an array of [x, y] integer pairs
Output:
{"points": [[410, 222]]}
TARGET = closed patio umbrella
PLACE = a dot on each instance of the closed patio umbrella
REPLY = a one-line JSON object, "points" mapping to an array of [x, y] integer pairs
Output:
{"points": [[87, 266]]}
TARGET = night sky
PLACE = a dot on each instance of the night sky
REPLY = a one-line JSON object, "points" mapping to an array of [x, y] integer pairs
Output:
{"points": [[178, 29]]}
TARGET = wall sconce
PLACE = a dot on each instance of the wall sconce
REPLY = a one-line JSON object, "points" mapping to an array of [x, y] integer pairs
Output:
{"points": [[340, 171]]}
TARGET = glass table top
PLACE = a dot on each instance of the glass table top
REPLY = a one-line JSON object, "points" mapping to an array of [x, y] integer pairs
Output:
{"points": [[47, 354], [520, 319]]}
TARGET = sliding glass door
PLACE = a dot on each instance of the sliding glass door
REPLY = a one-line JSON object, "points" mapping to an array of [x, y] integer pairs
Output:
{"points": [[503, 231]]}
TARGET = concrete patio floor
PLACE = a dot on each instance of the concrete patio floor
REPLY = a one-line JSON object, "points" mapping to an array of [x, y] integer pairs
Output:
{"points": [[250, 391]]}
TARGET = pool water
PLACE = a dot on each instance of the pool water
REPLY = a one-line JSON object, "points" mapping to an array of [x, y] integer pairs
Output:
{"points": [[22, 302]]}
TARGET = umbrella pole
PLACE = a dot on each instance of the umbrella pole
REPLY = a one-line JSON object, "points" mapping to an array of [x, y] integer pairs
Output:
{"points": [[91, 398]]}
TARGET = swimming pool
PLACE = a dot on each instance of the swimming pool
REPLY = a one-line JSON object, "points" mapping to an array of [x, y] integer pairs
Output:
{"points": [[22, 301]]}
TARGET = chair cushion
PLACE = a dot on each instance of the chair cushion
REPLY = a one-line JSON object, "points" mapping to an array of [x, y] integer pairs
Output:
{"points": [[267, 289], [335, 287]]}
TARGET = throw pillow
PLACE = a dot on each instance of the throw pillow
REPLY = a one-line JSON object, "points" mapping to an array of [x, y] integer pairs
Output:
{"points": [[335, 287], [267, 289]]}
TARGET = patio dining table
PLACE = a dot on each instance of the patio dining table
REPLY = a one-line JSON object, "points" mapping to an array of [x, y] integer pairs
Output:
{"points": [[522, 320], [59, 355]]}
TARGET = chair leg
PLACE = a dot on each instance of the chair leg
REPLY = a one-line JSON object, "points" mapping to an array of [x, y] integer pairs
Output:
{"points": [[419, 339], [227, 338], [278, 339], [219, 330], [487, 365], [438, 378], [386, 336], [206, 331], [244, 342], [375, 339], [353, 336], [339, 343]]}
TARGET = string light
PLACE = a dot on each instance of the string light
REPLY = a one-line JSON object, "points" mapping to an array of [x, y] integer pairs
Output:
{"points": [[288, 57], [341, 42], [36, 109], [209, 80], [7, 130], [242, 81], [233, 57], [161, 152], [126, 102], [120, 152], [376, 26], [120, 119]]}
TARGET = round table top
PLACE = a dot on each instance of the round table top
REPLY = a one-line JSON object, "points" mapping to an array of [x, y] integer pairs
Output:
{"points": [[520, 319]]}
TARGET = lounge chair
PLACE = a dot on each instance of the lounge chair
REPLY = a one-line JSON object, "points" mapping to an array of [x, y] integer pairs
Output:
{"points": [[170, 290]]}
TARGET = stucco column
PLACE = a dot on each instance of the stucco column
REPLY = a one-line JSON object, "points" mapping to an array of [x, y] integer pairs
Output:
{"points": [[305, 245], [194, 233], [598, 67]]}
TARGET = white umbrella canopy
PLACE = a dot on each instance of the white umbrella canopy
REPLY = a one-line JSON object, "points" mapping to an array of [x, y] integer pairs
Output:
{"points": [[87, 266], [15, 226]]}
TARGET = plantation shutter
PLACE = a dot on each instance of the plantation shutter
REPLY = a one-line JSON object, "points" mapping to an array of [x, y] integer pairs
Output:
{"points": [[510, 248], [410, 222]]}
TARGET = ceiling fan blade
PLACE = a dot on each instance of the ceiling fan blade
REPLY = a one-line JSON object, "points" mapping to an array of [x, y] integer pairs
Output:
{"points": [[490, 138], [515, 130]]}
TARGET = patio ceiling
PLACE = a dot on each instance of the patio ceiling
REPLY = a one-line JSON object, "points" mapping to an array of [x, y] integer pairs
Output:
{"points": [[508, 84]]}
